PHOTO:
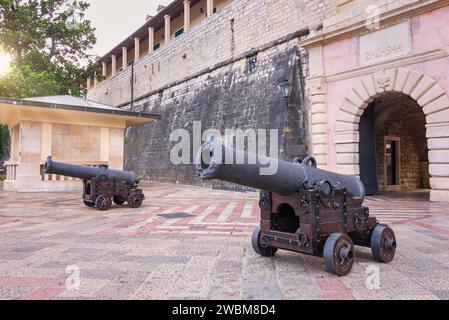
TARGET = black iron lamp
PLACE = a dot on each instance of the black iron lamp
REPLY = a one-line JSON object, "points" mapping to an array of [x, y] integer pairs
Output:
{"points": [[285, 87]]}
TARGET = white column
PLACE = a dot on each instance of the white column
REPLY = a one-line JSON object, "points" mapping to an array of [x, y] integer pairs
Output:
{"points": [[114, 65], [46, 140], [167, 28], [210, 7], [104, 145], [124, 58], [104, 68], [186, 15], [88, 84], [150, 40], [136, 49]]}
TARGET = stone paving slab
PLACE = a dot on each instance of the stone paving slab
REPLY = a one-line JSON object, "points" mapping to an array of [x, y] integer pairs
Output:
{"points": [[195, 243]]}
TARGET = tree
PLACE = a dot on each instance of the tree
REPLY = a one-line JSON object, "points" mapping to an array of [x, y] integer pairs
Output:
{"points": [[28, 81], [4, 143], [49, 40]]}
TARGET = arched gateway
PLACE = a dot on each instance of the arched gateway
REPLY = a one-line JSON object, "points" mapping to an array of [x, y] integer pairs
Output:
{"points": [[407, 85]]}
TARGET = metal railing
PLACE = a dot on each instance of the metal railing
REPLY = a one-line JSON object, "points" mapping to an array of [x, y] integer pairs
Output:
{"points": [[11, 171]]}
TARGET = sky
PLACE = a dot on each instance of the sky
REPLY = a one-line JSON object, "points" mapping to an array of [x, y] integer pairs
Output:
{"points": [[115, 20]]}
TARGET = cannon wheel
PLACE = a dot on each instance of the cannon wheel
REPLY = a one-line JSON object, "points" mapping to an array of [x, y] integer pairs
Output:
{"points": [[260, 250], [383, 243], [103, 203], [89, 204], [135, 201], [118, 201], [338, 254]]}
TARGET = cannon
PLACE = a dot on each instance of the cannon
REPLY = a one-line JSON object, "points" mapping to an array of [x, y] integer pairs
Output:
{"points": [[101, 186], [302, 208]]}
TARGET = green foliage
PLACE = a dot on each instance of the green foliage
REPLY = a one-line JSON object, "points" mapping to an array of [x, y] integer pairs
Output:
{"points": [[49, 41], [27, 81], [4, 142], [2, 177]]}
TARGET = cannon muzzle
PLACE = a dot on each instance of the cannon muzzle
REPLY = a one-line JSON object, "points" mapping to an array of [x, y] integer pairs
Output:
{"points": [[85, 172], [216, 161]]}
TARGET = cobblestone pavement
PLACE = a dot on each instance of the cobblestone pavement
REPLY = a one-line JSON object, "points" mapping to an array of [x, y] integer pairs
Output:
{"points": [[194, 243]]}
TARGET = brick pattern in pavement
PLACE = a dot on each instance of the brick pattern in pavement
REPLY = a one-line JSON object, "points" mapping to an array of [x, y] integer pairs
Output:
{"points": [[194, 243]]}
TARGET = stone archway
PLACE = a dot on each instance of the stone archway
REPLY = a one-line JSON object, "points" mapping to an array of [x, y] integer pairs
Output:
{"points": [[428, 94]]}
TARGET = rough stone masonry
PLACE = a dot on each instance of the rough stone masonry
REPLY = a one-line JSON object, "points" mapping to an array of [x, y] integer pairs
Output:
{"points": [[224, 73]]}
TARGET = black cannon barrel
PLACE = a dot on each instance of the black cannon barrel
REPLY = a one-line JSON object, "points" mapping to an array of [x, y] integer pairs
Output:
{"points": [[290, 177], [85, 172]]}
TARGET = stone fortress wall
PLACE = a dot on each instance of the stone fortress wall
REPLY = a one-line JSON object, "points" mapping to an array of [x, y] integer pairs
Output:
{"points": [[223, 72]]}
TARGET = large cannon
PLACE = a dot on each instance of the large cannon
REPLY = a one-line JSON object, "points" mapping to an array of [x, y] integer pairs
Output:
{"points": [[101, 185], [303, 209]]}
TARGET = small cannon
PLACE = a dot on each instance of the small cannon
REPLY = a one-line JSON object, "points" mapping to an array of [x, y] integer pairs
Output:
{"points": [[101, 185], [303, 209]]}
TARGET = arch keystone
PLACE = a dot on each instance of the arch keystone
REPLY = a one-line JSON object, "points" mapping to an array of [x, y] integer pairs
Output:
{"points": [[384, 80]]}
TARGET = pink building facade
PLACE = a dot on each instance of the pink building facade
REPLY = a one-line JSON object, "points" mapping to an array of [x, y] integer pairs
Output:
{"points": [[378, 95]]}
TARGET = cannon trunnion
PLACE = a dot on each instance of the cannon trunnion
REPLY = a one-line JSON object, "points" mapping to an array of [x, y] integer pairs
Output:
{"points": [[304, 209], [101, 186]]}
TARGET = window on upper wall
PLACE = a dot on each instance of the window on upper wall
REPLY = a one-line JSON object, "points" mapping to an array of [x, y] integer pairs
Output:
{"points": [[179, 32], [251, 63], [156, 46]]}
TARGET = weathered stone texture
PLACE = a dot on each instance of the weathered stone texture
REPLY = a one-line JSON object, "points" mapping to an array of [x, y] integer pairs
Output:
{"points": [[406, 121], [228, 98], [203, 76]]}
